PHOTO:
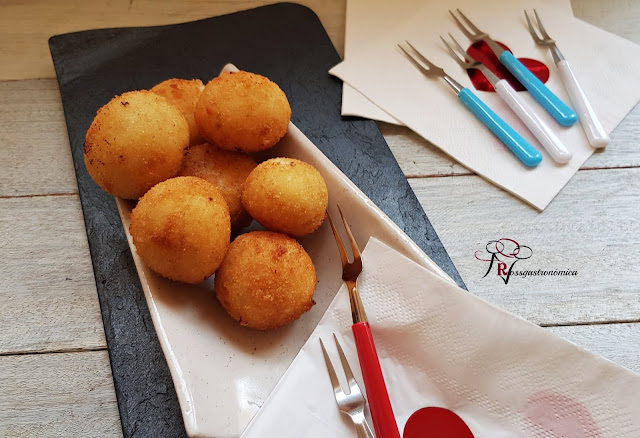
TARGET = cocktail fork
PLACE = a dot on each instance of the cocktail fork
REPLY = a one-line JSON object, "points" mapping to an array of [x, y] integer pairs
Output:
{"points": [[528, 114], [519, 146], [384, 421], [350, 403], [545, 97], [596, 134]]}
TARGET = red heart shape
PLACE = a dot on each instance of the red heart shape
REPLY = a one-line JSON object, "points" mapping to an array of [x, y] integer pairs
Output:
{"points": [[435, 422], [481, 52]]}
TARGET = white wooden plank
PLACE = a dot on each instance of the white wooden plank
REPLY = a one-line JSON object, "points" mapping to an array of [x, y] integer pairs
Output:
{"points": [[34, 146], [26, 26], [47, 289], [58, 395], [593, 226], [620, 343], [418, 157]]}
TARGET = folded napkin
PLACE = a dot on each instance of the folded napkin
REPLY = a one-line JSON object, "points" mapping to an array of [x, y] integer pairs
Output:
{"points": [[365, 19], [441, 346], [607, 66]]}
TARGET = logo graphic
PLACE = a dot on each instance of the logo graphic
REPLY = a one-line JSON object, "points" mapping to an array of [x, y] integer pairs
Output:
{"points": [[503, 254]]}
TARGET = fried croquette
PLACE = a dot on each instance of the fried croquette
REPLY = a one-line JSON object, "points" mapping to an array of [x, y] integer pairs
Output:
{"points": [[181, 229], [184, 94], [266, 280], [244, 112], [224, 169], [135, 141], [286, 195]]}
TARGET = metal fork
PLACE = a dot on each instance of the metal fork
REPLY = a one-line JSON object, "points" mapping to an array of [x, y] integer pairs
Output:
{"points": [[384, 421], [596, 134], [528, 114], [518, 145], [545, 97], [352, 402]]}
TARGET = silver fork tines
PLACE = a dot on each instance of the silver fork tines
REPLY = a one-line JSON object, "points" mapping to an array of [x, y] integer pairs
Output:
{"points": [[431, 70], [544, 39], [475, 34], [467, 62], [350, 403], [545, 36]]}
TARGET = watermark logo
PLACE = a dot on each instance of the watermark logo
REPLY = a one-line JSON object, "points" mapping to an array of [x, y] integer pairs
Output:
{"points": [[503, 254]]}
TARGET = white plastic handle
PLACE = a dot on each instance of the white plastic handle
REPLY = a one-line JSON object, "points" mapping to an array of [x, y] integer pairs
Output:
{"points": [[532, 120], [596, 134]]}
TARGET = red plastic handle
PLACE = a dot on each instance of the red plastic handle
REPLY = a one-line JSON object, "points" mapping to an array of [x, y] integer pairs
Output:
{"points": [[384, 421]]}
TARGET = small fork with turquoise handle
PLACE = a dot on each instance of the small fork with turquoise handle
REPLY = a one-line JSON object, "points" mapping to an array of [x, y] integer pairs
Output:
{"points": [[526, 153], [545, 97], [528, 114]]}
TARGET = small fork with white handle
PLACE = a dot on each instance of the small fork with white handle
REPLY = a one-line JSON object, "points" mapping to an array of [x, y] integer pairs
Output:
{"points": [[596, 134], [352, 402], [527, 113]]}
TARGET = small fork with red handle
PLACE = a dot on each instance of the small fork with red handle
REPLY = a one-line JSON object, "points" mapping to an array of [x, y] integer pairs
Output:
{"points": [[384, 422]]}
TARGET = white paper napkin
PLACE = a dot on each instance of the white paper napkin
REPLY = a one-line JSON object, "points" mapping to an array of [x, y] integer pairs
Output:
{"points": [[441, 346], [365, 19], [607, 66]]}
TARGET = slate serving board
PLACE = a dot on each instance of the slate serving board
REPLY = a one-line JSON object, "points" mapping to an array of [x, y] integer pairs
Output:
{"points": [[285, 42]]}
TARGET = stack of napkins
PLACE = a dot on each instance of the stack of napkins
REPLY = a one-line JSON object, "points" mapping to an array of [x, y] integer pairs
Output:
{"points": [[441, 346], [607, 66]]}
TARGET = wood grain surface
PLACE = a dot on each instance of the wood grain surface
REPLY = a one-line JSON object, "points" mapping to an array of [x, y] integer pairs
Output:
{"points": [[25, 27], [58, 395], [34, 153], [591, 231], [54, 369], [49, 300]]}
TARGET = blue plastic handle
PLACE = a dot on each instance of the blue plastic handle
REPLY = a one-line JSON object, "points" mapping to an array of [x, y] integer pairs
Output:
{"points": [[545, 97], [519, 146]]}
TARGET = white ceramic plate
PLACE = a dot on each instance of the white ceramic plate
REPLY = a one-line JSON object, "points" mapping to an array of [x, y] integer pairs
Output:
{"points": [[222, 371]]}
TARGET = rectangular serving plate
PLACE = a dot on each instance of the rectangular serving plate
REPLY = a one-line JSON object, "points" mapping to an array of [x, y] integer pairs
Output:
{"points": [[223, 371]]}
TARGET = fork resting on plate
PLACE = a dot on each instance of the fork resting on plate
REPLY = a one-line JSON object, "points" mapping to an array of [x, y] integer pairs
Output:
{"points": [[384, 421]]}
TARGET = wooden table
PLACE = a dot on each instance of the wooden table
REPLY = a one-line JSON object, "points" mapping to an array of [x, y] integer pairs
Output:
{"points": [[55, 378]]}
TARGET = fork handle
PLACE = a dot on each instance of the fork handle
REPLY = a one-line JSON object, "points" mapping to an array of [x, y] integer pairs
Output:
{"points": [[545, 97], [363, 430], [530, 117], [384, 422], [519, 146], [596, 134]]}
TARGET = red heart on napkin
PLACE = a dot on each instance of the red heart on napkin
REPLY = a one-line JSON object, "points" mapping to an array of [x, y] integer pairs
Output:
{"points": [[481, 52], [435, 422]]}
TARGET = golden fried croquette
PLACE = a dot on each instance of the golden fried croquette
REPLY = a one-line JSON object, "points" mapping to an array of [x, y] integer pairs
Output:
{"points": [[244, 112], [286, 195], [224, 169], [266, 280], [184, 94], [135, 141], [181, 229]]}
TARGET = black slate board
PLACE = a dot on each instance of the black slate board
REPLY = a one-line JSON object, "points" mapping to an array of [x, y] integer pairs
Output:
{"points": [[285, 42]]}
